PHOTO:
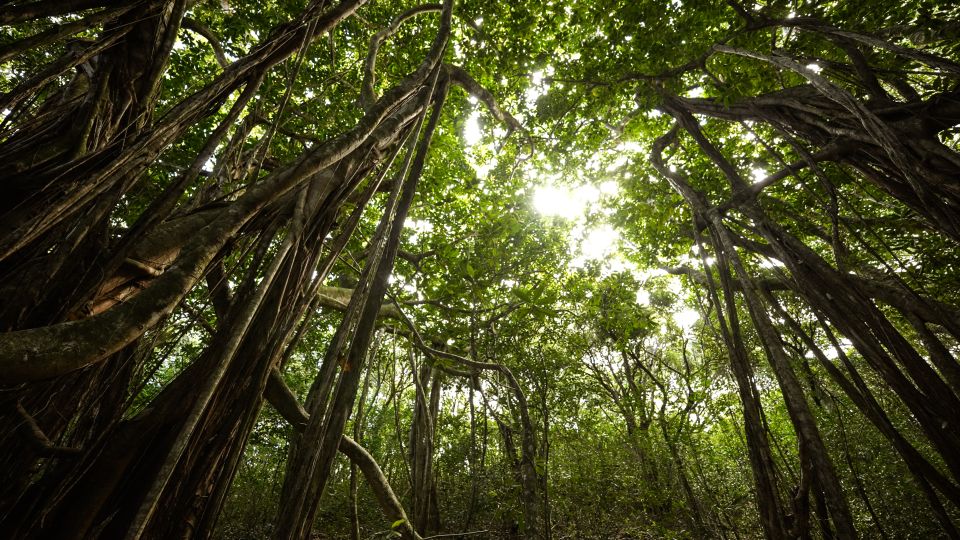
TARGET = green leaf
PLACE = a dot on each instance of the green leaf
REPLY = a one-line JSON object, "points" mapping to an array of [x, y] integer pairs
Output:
{"points": [[522, 294]]}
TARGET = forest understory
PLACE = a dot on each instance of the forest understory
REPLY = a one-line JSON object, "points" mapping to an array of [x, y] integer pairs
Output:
{"points": [[575, 269]]}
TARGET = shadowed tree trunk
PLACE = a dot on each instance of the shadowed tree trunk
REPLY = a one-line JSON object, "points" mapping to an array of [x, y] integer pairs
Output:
{"points": [[425, 509], [889, 141], [332, 395], [181, 452], [164, 223]]}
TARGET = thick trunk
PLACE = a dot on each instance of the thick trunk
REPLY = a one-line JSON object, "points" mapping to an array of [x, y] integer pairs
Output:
{"points": [[184, 462]]}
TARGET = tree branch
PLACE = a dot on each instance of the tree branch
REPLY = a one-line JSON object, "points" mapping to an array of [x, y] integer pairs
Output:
{"points": [[218, 51], [339, 298], [461, 78], [40, 440], [367, 94], [278, 394], [285, 402], [389, 503]]}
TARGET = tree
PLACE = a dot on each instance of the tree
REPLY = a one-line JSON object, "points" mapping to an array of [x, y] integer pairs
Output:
{"points": [[213, 206], [132, 279]]}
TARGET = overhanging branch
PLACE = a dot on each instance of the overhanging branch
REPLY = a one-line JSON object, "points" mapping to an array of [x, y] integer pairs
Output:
{"points": [[285, 402], [207, 34]]}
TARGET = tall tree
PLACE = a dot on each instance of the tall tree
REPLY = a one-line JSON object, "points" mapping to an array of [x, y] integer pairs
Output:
{"points": [[704, 273]]}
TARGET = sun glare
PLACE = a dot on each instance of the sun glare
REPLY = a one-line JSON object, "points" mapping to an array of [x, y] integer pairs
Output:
{"points": [[600, 243], [557, 201], [610, 188], [471, 129], [686, 318], [565, 202], [643, 297]]}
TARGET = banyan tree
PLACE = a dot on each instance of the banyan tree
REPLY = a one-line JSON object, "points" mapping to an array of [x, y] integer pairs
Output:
{"points": [[95, 129], [852, 119], [182, 180]]}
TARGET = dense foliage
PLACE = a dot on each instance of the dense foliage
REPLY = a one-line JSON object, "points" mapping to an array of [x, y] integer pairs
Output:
{"points": [[572, 269]]}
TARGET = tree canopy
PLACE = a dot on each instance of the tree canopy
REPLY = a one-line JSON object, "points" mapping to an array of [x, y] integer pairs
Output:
{"points": [[568, 269]]}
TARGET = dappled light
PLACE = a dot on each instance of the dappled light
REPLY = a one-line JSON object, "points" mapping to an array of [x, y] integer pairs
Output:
{"points": [[554, 270]]}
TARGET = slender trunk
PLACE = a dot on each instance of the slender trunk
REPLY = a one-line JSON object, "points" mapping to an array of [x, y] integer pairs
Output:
{"points": [[312, 456], [800, 414]]}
